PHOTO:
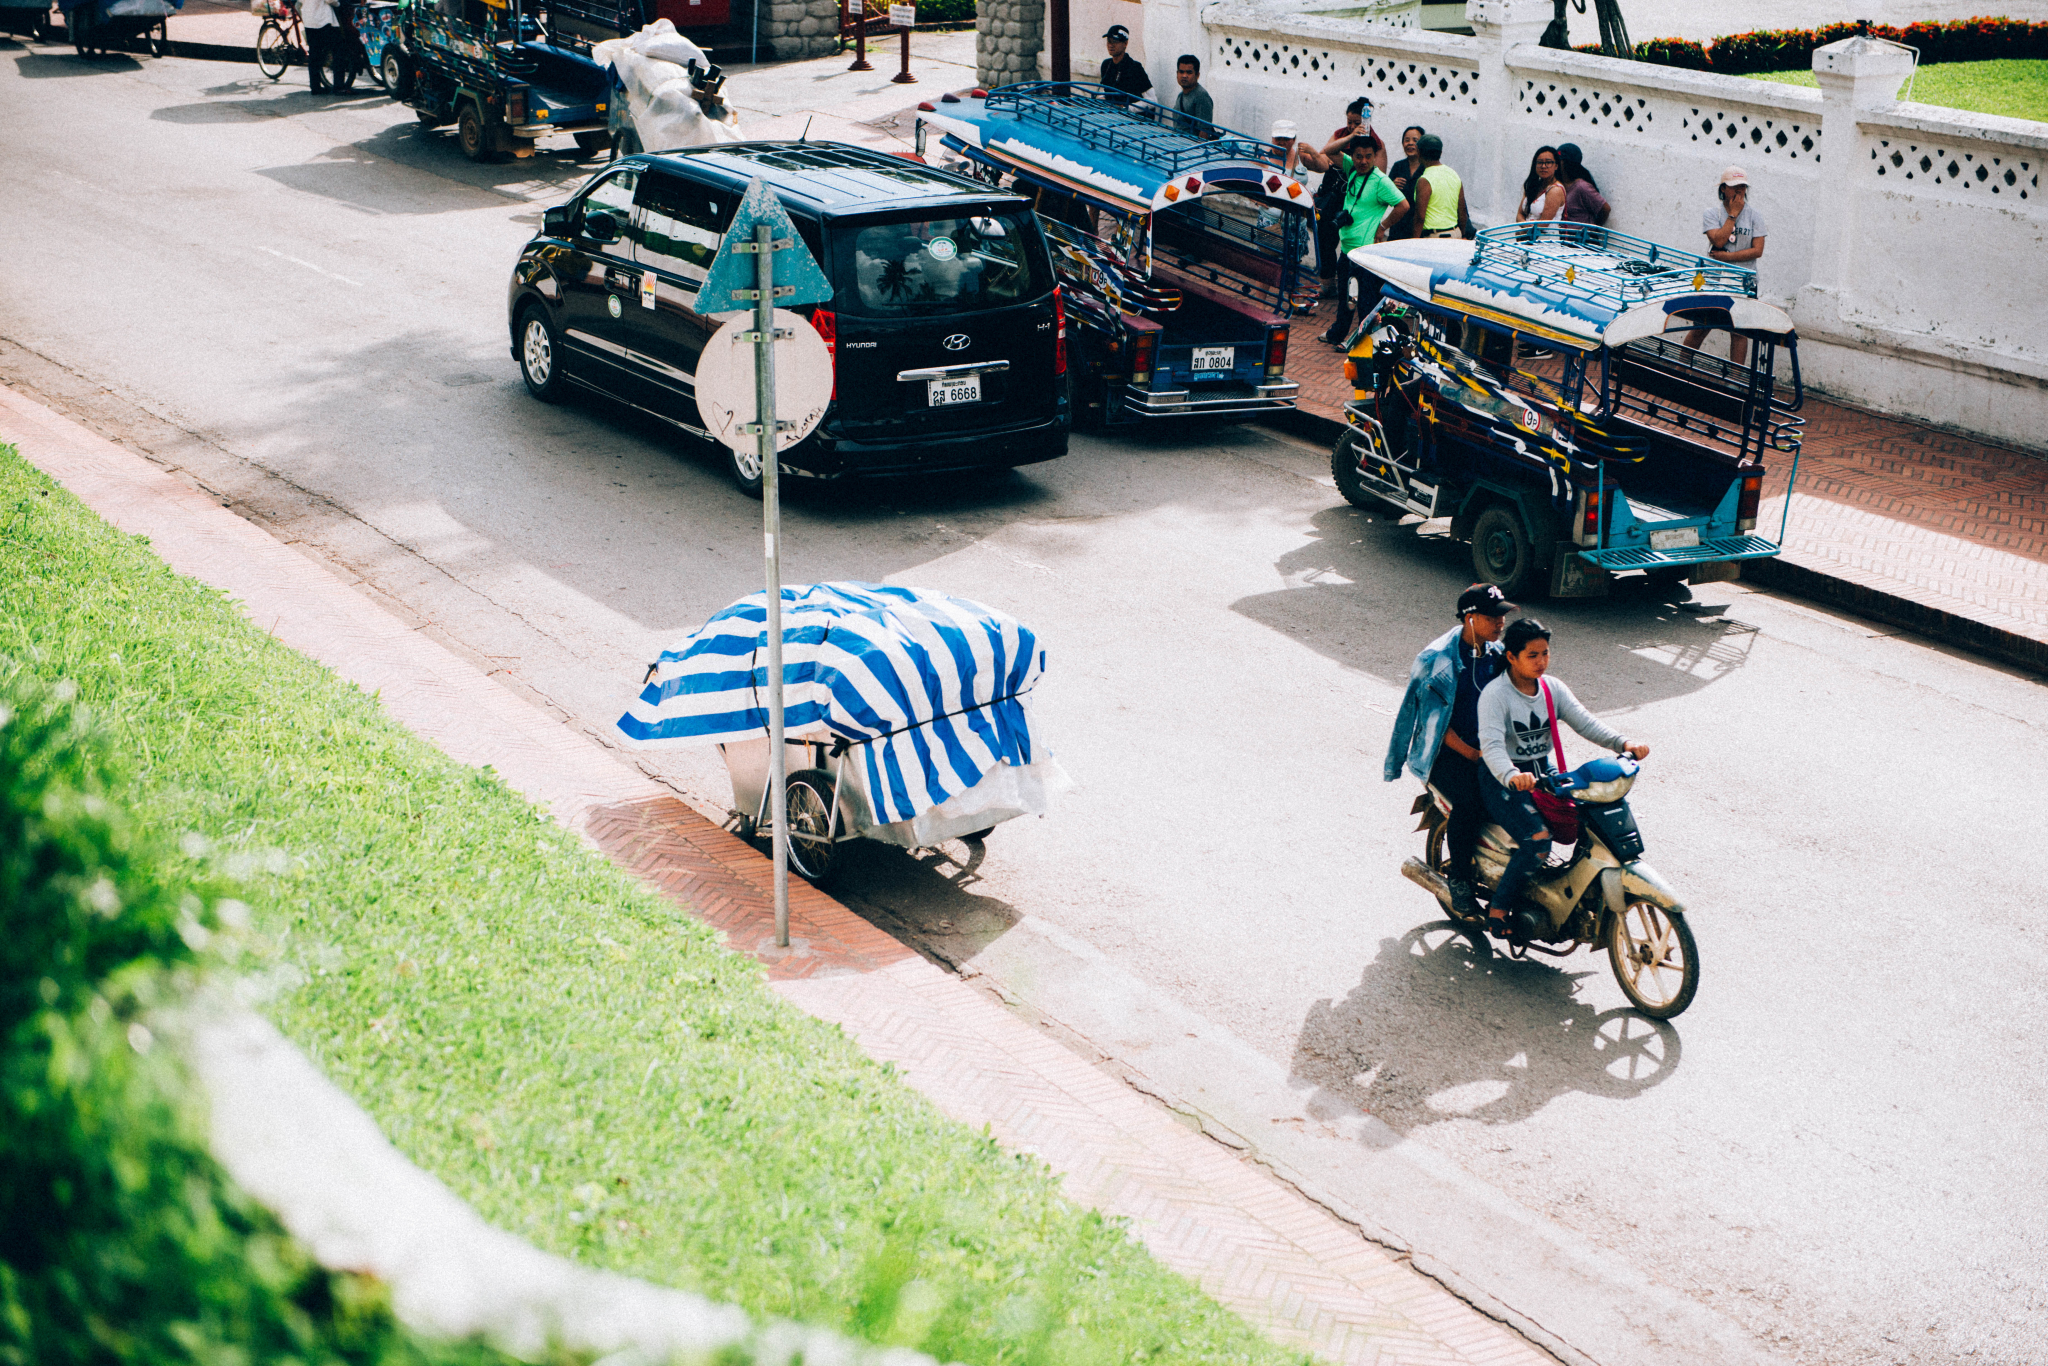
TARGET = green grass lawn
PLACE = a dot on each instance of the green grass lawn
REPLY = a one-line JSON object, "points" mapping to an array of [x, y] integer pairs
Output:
{"points": [[563, 1048], [2015, 89]]}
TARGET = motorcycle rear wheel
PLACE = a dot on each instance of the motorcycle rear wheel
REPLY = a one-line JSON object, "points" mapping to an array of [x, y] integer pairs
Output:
{"points": [[1654, 959]]}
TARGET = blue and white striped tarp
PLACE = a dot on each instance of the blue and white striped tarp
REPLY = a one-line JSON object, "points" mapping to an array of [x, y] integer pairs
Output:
{"points": [[935, 683]]}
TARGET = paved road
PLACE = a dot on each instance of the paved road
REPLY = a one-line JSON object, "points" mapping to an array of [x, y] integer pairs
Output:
{"points": [[1835, 1152]]}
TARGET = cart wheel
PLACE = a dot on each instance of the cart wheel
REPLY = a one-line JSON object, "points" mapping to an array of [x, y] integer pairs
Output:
{"points": [[596, 140], [396, 73], [157, 39], [273, 51], [814, 851], [79, 21], [478, 138]]}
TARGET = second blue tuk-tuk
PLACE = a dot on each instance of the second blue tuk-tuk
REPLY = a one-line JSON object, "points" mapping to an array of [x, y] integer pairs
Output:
{"points": [[1179, 244], [1547, 390]]}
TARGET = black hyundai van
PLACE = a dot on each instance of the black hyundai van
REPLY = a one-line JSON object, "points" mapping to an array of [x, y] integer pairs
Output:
{"points": [[946, 329]]}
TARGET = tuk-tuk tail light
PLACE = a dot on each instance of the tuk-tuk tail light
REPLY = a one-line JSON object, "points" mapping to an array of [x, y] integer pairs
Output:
{"points": [[1746, 501], [515, 105], [1143, 346], [1172, 192], [1276, 353], [1589, 530]]}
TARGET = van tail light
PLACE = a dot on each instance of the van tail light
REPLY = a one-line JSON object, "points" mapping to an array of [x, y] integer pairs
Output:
{"points": [[1276, 352], [1589, 529], [1059, 332], [1746, 501], [1143, 346], [826, 322]]}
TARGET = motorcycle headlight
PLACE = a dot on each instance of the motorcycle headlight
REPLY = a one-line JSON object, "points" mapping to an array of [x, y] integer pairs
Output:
{"points": [[1612, 790]]}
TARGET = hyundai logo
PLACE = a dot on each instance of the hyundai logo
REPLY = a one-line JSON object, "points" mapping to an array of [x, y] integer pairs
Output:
{"points": [[959, 341]]}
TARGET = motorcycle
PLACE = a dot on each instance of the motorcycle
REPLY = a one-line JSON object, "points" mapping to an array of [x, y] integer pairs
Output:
{"points": [[1604, 895]]}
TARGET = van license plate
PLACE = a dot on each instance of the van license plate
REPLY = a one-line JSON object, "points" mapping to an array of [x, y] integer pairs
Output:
{"points": [[1675, 539], [943, 393], [1215, 359]]}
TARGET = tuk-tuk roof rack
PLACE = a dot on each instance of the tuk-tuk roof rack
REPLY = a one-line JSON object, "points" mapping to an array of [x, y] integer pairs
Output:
{"points": [[1106, 119], [1603, 266]]}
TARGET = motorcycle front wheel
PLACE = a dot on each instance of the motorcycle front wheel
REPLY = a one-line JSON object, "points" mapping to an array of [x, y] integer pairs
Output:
{"points": [[1652, 953]]}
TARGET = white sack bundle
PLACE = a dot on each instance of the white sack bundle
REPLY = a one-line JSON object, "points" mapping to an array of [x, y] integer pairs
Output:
{"points": [[654, 67]]}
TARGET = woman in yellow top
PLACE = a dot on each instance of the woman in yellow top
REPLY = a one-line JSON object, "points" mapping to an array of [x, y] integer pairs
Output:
{"points": [[1439, 193]]}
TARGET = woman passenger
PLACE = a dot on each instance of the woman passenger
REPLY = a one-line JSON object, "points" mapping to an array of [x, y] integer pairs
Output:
{"points": [[1515, 743]]}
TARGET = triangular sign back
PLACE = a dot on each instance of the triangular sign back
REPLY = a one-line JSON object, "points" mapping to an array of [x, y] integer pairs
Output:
{"points": [[736, 270]]}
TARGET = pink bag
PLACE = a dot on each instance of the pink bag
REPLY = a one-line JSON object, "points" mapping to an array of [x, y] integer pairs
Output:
{"points": [[1558, 812]]}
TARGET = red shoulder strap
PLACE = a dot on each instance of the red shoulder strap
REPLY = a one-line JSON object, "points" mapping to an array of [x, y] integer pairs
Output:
{"points": [[1556, 742]]}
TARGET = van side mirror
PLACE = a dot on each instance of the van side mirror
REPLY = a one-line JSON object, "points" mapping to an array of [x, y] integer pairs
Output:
{"points": [[600, 227], [557, 221]]}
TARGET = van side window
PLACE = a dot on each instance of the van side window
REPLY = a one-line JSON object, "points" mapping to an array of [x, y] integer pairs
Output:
{"points": [[682, 225], [614, 195]]}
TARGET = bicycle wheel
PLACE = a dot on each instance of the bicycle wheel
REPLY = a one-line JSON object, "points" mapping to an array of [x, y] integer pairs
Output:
{"points": [[273, 50]]}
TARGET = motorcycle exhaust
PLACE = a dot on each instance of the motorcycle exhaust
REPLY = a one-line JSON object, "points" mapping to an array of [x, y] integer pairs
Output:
{"points": [[1414, 870]]}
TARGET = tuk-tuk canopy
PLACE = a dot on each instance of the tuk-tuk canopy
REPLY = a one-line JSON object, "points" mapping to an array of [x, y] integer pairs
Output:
{"points": [[1129, 154], [931, 686], [1574, 283]]}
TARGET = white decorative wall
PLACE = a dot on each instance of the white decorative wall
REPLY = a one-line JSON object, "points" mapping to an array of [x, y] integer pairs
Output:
{"points": [[1910, 242]]}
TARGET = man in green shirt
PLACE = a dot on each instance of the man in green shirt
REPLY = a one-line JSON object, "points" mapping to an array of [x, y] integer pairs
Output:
{"points": [[1370, 208]]}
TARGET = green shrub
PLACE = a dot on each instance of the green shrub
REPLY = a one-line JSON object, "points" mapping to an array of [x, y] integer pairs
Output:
{"points": [[1786, 49], [121, 1240]]}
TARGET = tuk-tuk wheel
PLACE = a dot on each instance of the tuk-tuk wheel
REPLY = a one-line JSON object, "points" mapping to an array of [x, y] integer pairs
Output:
{"points": [[596, 140], [1502, 553], [477, 136], [396, 73]]}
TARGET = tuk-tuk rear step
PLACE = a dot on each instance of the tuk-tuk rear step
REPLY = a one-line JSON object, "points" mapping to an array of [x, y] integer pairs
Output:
{"points": [[1706, 552]]}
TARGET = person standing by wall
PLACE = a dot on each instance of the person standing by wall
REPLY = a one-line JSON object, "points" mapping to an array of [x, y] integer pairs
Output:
{"points": [[1191, 99], [1735, 234], [1406, 174], [1371, 206], [1583, 202], [1120, 70], [1440, 194], [1542, 196], [1330, 192]]}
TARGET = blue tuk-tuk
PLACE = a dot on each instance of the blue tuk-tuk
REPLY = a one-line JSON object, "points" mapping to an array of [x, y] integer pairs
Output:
{"points": [[1545, 388], [1179, 244], [98, 26]]}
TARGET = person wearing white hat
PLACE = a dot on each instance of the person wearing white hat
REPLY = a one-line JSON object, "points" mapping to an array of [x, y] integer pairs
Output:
{"points": [[1735, 234]]}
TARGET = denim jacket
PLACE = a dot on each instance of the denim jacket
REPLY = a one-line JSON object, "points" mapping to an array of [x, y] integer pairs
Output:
{"points": [[1426, 707]]}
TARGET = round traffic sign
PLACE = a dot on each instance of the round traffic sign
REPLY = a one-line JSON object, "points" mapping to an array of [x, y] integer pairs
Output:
{"points": [[725, 381]]}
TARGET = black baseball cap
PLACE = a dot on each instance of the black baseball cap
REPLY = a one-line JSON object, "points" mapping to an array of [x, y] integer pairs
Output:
{"points": [[1487, 598], [1118, 34]]}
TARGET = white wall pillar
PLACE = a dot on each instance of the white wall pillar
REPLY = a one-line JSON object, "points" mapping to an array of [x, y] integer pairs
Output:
{"points": [[1856, 75], [1491, 178]]}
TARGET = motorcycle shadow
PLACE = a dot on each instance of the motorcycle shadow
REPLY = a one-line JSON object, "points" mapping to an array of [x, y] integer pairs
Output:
{"points": [[1440, 1028]]}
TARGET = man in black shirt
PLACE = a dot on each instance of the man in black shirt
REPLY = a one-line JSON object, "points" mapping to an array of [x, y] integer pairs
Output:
{"points": [[1123, 72], [1482, 612]]}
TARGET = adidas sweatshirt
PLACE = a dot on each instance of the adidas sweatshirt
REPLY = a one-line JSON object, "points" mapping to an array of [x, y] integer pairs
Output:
{"points": [[1514, 731]]}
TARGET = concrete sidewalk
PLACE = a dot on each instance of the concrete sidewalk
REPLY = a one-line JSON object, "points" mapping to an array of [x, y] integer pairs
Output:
{"points": [[1285, 1262]]}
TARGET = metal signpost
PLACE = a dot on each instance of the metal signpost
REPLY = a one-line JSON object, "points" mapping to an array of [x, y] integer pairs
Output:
{"points": [[905, 18], [761, 229]]}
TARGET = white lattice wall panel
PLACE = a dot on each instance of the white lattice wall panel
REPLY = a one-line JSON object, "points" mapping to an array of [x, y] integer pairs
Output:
{"points": [[1998, 173], [1585, 106], [1361, 72], [1738, 132]]}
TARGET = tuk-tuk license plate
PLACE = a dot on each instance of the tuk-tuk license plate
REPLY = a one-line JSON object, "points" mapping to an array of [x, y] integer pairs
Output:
{"points": [[1675, 539], [944, 393], [1215, 359]]}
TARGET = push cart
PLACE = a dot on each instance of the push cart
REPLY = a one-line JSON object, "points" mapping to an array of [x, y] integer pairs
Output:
{"points": [[906, 717], [98, 26]]}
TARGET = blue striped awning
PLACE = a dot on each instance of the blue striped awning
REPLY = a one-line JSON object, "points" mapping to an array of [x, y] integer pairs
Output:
{"points": [[931, 686]]}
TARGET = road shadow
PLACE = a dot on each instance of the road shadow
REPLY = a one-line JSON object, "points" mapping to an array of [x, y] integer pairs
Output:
{"points": [[927, 898], [48, 65], [286, 103], [1440, 1028], [1354, 589]]}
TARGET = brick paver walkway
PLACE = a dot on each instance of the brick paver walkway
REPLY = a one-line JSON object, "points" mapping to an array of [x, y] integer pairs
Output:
{"points": [[1256, 1244], [1954, 525]]}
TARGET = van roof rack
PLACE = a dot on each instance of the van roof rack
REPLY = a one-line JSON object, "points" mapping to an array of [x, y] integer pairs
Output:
{"points": [[1106, 119], [1603, 266]]}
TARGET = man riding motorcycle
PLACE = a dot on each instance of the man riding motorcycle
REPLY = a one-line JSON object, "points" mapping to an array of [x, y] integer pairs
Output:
{"points": [[1436, 733]]}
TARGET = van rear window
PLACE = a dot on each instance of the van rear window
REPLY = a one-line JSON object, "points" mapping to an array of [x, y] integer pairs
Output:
{"points": [[925, 267]]}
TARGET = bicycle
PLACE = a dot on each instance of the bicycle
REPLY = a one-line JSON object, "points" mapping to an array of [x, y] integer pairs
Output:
{"points": [[281, 44]]}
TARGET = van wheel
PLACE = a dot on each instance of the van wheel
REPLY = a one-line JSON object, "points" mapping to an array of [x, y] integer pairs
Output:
{"points": [[478, 138], [540, 356], [746, 470], [1501, 552]]}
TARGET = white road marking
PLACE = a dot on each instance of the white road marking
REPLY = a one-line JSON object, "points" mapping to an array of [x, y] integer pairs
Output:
{"points": [[315, 269]]}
